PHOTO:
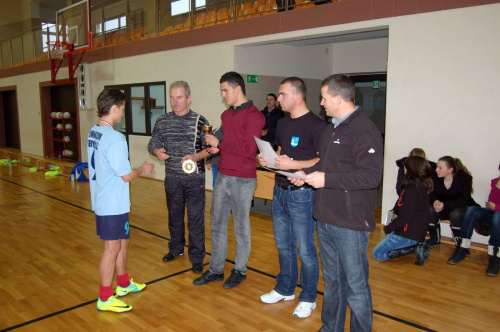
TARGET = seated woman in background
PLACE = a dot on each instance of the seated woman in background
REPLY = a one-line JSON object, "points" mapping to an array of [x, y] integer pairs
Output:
{"points": [[401, 163], [409, 228], [488, 216], [451, 198]]}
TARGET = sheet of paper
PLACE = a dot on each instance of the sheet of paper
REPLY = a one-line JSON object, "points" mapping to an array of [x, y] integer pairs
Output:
{"points": [[267, 150], [388, 218], [288, 174]]}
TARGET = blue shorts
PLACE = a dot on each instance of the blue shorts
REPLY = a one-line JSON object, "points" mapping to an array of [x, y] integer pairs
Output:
{"points": [[113, 227]]}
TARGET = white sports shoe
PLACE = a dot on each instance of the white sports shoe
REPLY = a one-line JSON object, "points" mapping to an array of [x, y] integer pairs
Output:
{"points": [[304, 309], [274, 297]]}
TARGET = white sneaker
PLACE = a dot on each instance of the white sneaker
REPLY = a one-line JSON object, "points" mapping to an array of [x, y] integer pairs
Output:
{"points": [[274, 297], [304, 309]]}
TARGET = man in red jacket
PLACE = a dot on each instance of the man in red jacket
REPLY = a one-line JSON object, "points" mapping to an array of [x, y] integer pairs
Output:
{"points": [[236, 180]]}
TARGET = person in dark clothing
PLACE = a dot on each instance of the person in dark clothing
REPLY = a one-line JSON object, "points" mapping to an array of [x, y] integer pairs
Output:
{"points": [[297, 136], [272, 114], [346, 180], [409, 228], [401, 163], [450, 199]]}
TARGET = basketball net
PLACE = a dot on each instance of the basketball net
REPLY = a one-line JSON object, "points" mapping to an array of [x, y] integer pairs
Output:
{"points": [[56, 51]]}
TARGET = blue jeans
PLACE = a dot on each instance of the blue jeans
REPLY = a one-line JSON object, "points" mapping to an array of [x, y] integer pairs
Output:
{"points": [[293, 224], [234, 194], [391, 242], [487, 217], [345, 269], [215, 171]]}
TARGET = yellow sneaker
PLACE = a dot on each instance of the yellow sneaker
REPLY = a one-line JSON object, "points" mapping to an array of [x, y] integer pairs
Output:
{"points": [[132, 288], [113, 305]]}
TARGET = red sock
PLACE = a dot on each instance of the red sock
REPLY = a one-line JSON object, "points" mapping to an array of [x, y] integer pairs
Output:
{"points": [[105, 292], [123, 280]]}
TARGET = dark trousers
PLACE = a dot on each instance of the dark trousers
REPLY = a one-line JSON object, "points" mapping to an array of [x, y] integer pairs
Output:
{"points": [[190, 193], [456, 217]]}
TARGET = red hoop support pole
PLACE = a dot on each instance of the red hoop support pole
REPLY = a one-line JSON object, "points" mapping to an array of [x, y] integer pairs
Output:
{"points": [[54, 68]]}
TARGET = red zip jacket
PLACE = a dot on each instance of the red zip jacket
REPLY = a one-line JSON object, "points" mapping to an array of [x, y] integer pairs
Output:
{"points": [[238, 148]]}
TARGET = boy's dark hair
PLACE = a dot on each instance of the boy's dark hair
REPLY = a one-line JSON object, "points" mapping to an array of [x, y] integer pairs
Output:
{"points": [[234, 80], [107, 98], [298, 86], [340, 85]]}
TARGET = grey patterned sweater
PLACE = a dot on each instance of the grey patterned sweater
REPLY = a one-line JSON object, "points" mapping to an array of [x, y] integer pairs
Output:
{"points": [[180, 136]]}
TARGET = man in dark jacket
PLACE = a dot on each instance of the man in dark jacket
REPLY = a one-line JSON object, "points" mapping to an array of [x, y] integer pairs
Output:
{"points": [[272, 114], [346, 178]]}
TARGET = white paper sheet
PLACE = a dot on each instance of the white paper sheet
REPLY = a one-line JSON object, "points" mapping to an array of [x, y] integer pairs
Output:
{"points": [[288, 174], [267, 150]]}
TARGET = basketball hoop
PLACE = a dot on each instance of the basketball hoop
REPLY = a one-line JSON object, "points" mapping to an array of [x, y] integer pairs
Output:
{"points": [[56, 51]]}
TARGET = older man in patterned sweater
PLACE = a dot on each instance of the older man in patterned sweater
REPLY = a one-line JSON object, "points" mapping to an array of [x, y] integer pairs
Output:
{"points": [[177, 139]]}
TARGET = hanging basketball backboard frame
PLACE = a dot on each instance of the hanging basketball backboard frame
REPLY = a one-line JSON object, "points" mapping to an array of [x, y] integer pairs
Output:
{"points": [[73, 37]]}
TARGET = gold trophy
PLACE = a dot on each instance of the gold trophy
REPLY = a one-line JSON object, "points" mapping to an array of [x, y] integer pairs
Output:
{"points": [[207, 129]]}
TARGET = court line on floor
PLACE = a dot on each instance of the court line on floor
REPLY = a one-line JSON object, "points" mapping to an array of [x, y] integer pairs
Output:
{"points": [[82, 305], [41, 191], [187, 270]]}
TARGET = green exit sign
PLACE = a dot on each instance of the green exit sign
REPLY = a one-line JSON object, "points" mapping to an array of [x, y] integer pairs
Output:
{"points": [[252, 78], [376, 84]]}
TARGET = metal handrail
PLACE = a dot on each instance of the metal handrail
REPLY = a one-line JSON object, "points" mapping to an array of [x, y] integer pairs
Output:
{"points": [[233, 4]]}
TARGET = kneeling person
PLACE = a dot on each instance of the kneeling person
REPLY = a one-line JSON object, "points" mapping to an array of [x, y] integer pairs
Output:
{"points": [[408, 230]]}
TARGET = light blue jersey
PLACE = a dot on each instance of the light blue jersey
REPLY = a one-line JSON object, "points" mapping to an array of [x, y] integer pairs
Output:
{"points": [[107, 154]]}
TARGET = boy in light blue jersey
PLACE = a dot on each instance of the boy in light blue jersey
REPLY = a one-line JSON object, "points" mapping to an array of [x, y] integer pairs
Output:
{"points": [[109, 175]]}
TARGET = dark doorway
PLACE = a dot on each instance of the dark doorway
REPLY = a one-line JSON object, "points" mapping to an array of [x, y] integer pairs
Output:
{"points": [[9, 120], [371, 93]]}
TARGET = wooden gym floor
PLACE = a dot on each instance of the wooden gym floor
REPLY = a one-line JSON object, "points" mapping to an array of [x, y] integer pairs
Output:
{"points": [[49, 273]]}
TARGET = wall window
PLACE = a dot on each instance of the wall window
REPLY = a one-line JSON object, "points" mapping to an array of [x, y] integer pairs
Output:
{"points": [[48, 35], [145, 103]]}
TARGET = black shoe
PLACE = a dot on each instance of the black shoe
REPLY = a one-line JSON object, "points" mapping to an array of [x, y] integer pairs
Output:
{"points": [[170, 257], [401, 252], [494, 265], [435, 235], [198, 268], [458, 255], [207, 277], [422, 252], [234, 279]]}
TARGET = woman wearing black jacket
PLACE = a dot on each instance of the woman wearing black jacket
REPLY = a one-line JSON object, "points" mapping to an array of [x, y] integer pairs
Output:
{"points": [[409, 228], [401, 164], [451, 197]]}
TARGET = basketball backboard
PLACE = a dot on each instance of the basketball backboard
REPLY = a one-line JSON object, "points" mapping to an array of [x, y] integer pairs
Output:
{"points": [[73, 26], [73, 35]]}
